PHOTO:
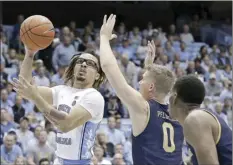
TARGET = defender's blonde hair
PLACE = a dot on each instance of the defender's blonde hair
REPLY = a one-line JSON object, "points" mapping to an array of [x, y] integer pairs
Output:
{"points": [[162, 77]]}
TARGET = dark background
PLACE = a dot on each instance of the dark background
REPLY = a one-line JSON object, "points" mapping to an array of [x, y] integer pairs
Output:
{"points": [[131, 13]]}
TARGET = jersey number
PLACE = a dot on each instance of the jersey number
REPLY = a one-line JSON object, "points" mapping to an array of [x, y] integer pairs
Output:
{"points": [[168, 127]]}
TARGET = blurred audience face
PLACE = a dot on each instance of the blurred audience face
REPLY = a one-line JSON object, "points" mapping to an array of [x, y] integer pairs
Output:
{"points": [[12, 53], [37, 131], [73, 25], [20, 161], [186, 29], [111, 122], [172, 28], [118, 149], [218, 107], [215, 47], [99, 153], [41, 71], [124, 60], [212, 81], [9, 87], [118, 123], [135, 30], [206, 60], [67, 40], [182, 46], [65, 31], [4, 95], [164, 59], [20, 18], [24, 124], [43, 137], [168, 45], [3, 115], [102, 139], [144, 42], [191, 65], [179, 72], [9, 141], [118, 159], [2, 66], [19, 100]]}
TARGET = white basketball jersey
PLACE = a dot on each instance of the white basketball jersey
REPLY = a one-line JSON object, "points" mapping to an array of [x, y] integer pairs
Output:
{"points": [[77, 143]]}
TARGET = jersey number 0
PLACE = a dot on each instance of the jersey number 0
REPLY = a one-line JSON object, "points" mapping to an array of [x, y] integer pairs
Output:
{"points": [[168, 127]]}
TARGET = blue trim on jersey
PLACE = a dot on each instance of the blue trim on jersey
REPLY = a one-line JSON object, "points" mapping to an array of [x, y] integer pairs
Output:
{"points": [[81, 146], [74, 162], [88, 139]]}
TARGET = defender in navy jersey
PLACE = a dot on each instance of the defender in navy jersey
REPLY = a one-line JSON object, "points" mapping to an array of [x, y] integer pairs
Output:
{"points": [[208, 136], [157, 140]]}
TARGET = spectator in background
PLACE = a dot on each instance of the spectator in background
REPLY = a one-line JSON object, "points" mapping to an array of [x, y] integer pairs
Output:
{"points": [[226, 92], [40, 150], [227, 72], [23, 133], [206, 63], [102, 141], [169, 51], [44, 161], [186, 36], [198, 67], [135, 37], [172, 33], [118, 159], [214, 54], [51, 135], [195, 28], [41, 79], [142, 50], [57, 79], [18, 109], [9, 150], [37, 130], [191, 68], [72, 26], [15, 35], [212, 87], [13, 133], [126, 49], [11, 93], [203, 52], [12, 60], [222, 60], [20, 161], [3, 75], [114, 136], [213, 70], [219, 109], [99, 154], [6, 122], [63, 53], [4, 46], [184, 54]]}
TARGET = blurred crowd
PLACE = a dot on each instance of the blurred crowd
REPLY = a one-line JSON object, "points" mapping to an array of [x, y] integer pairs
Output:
{"points": [[27, 138]]}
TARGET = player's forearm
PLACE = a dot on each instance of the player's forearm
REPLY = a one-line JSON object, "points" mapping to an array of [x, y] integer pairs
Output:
{"points": [[49, 110], [26, 67], [107, 57]]}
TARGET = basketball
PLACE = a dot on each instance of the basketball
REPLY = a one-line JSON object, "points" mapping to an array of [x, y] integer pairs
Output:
{"points": [[37, 32]]}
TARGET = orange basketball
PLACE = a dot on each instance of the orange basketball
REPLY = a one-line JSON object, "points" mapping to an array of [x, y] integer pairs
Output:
{"points": [[37, 32]]}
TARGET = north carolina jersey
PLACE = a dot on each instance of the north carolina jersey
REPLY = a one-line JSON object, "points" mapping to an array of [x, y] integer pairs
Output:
{"points": [[77, 143], [223, 144], [162, 140]]}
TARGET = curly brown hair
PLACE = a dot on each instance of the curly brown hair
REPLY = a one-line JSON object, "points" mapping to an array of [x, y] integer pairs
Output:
{"points": [[69, 73]]}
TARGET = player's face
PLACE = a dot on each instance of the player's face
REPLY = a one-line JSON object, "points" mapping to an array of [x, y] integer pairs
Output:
{"points": [[146, 85], [86, 69]]}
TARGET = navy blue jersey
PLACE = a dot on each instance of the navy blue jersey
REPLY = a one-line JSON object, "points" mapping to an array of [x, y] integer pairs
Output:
{"points": [[161, 141], [223, 145]]}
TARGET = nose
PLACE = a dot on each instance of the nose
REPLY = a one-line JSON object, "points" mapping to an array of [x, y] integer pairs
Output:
{"points": [[84, 64]]}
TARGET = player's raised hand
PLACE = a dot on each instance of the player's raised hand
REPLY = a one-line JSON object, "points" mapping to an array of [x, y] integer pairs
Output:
{"points": [[24, 88], [151, 53], [107, 27]]}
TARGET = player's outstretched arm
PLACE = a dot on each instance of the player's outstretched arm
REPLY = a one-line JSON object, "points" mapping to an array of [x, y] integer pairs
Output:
{"points": [[26, 73], [199, 135], [129, 96]]}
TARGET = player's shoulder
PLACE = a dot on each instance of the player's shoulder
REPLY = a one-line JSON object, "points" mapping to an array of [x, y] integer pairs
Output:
{"points": [[93, 93], [197, 118]]}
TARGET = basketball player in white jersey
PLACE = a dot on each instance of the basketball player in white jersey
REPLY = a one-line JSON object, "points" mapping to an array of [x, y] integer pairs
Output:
{"points": [[75, 108]]}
